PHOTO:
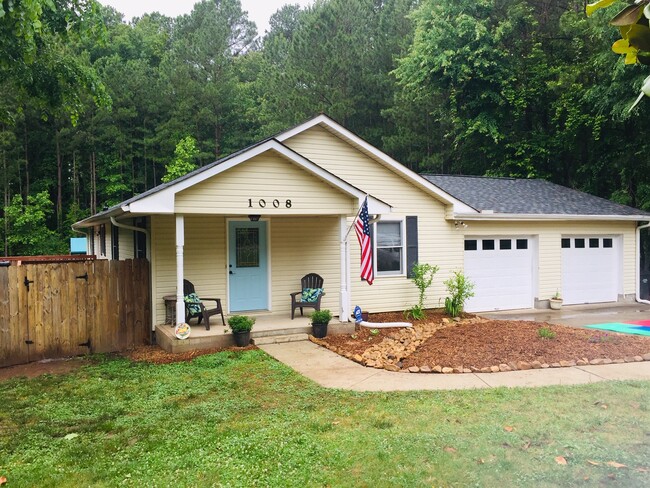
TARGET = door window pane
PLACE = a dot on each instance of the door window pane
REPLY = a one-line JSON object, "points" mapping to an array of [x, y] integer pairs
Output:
{"points": [[566, 243], [607, 242], [488, 244], [522, 243], [247, 248], [580, 243], [471, 245], [505, 244], [594, 242]]}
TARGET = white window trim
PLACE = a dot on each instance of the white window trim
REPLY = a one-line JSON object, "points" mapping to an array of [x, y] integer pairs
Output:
{"points": [[383, 274]]}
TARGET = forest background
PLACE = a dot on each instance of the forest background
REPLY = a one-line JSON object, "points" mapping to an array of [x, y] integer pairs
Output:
{"points": [[94, 110]]}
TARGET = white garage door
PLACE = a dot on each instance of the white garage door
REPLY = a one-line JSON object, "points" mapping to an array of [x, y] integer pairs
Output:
{"points": [[590, 269], [501, 269]]}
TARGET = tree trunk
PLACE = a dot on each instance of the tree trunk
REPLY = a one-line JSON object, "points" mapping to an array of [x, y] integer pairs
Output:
{"points": [[26, 162], [59, 181], [93, 185]]}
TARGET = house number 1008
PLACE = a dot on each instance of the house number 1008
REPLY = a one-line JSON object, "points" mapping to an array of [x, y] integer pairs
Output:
{"points": [[262, 203]]}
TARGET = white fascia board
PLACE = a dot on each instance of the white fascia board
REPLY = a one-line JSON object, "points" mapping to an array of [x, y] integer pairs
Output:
{"points": [[378, 155], [547, 217], [162, 202], [98, 219]]}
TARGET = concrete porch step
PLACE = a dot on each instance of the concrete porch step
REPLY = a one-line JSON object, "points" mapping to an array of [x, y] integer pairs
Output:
{"points": [[278, 339]]}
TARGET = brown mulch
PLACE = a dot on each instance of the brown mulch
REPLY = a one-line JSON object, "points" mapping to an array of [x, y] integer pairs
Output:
{"points": [[493, 342], [156, 355]]}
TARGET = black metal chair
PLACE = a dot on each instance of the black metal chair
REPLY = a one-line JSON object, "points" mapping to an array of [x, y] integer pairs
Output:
{"points": [[202, 312], [312, 280]]}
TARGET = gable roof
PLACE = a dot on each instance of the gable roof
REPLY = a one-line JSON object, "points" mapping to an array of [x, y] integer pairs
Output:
{"points": [[160, 199], [533, 198], [371, 151]]}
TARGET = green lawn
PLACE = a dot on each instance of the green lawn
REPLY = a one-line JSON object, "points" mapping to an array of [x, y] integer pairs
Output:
{"points": [[232, 419]]}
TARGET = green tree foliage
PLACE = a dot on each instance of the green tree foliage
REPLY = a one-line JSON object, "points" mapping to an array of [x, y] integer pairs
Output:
{"points": [[29, 234], [186, 152]]}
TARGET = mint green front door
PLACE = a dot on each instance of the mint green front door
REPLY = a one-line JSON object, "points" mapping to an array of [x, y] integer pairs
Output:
{"points": [[248, 266]]}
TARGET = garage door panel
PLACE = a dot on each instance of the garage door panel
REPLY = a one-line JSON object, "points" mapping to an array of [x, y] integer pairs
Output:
{"points": [[503, 278], [589, 274]]}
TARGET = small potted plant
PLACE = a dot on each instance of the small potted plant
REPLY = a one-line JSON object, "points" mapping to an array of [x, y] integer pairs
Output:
{"points": [[319, 321], [555, 301], [241, 326]]}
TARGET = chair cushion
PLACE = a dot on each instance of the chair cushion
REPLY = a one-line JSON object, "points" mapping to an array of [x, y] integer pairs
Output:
{"points": [[311, 295], [193, 303]]}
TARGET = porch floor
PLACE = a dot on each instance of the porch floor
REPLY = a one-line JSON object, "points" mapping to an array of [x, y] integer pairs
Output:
{"points": [[266, 324]]}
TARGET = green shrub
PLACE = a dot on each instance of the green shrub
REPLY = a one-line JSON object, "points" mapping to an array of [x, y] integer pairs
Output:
{"points": [[415, 313], [460, 288], [321, 317], [545, 333], [241, 323]]}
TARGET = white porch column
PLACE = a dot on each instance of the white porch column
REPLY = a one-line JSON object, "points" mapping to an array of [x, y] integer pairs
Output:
{"points": [[180, 242], [344, 309]]}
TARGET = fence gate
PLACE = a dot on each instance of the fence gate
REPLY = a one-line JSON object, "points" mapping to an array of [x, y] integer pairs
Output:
{"points": [[50, 310]]}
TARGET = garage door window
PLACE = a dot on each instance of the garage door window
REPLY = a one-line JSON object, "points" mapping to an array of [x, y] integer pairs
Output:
{"points": [[390, 248], [505, 244], [488, 244], [594, 243], [607, 242], [471, 245], [522, 243]]}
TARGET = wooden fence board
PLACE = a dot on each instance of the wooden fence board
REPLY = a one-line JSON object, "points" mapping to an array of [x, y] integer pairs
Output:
{"points": [[60, 311]]}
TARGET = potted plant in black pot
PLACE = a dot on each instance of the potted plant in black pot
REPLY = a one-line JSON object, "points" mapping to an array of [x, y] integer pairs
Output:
{"points": [[319, 321], [241, 326]]}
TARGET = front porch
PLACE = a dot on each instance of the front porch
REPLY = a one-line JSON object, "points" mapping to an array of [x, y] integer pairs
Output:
{"points": [[266, 325]]}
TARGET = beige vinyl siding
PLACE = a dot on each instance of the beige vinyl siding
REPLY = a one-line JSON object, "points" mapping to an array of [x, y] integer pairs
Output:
{"points": [[549, 235], [439, 242], [300, 246], [126, 244], [204, 258], [97, 241], [266, 177]]}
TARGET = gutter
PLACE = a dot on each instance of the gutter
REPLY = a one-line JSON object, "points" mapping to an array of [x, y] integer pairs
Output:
{"points": [[129, 227], [545, 217], [638, 263]]}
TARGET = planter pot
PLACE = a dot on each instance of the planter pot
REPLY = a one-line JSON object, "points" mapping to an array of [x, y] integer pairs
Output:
{"points": [[555, 303], [242, 339], [319, 330]]}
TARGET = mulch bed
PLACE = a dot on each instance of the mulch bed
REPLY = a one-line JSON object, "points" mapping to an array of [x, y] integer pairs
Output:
{"points": [[474, 344], [156, 355]]}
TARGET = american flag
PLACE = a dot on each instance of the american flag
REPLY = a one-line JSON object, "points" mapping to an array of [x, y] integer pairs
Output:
{"points": [[362, 228]]}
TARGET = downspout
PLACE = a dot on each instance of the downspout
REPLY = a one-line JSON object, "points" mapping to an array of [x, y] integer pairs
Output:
{"points": [[152, 332], [638, 263]]}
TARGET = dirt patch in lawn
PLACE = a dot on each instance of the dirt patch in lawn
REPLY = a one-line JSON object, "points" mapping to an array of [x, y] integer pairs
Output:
{"points": [[476, 344], [38, 368]]}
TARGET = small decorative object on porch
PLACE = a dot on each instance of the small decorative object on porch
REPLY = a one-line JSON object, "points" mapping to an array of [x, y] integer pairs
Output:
{"points": [[182, 331], [319, 321], [555, 301], [241, 326], [359, 319]]}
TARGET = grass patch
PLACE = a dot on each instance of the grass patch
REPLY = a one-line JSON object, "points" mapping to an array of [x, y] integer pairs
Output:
{"points": [[231, 419]]}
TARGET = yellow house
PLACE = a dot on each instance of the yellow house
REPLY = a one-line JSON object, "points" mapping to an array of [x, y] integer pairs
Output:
{"points": [[246, 228]]}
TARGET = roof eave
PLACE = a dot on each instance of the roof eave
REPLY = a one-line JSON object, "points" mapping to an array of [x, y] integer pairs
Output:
{"points": [[547, 217]]}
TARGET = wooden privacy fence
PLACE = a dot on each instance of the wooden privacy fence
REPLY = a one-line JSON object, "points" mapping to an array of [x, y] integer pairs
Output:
{"points": [[50, 310]]}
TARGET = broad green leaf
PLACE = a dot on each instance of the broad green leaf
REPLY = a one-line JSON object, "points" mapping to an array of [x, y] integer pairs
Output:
{"points": [[629, 15], [592, 7]]}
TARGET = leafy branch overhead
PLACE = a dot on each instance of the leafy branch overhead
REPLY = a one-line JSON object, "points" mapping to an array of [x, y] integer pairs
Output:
{"points": [[632, 23]]}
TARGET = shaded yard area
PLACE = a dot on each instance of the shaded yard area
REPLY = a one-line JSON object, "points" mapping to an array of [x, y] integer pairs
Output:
{"points": [[243, 419]]}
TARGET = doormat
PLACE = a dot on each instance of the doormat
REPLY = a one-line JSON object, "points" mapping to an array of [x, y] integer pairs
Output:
{"points": [[630, 328]]}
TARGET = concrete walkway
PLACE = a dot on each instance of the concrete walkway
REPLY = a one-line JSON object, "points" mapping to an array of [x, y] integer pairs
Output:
{"points": [[333, 371]]}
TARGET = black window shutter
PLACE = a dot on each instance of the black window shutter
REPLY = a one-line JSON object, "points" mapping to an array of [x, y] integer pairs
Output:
{"points": [[411, 244], [115, 241]]}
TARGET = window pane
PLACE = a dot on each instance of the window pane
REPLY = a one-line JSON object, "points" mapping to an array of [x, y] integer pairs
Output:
{"points": [[247, 247], [580, 243], [488, 244], [593, 243], [389, 259], [522, 243], [470, 245], [607, 243], [566, 243], [505, 244], [389, 234]]}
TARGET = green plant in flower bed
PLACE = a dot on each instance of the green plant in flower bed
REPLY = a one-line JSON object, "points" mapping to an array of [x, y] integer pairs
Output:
{"points": [[546, 333], [460, 289], [604, 337], [244, 419]]}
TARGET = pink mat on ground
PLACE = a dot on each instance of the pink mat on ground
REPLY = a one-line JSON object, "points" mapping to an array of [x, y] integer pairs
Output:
{"points": [[643, 323]]}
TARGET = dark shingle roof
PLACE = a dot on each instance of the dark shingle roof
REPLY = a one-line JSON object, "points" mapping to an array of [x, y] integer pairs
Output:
{"points": [[524, 196]]}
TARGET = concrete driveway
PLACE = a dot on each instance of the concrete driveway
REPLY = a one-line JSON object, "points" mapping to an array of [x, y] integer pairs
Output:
{"points": [[578, 315]]}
